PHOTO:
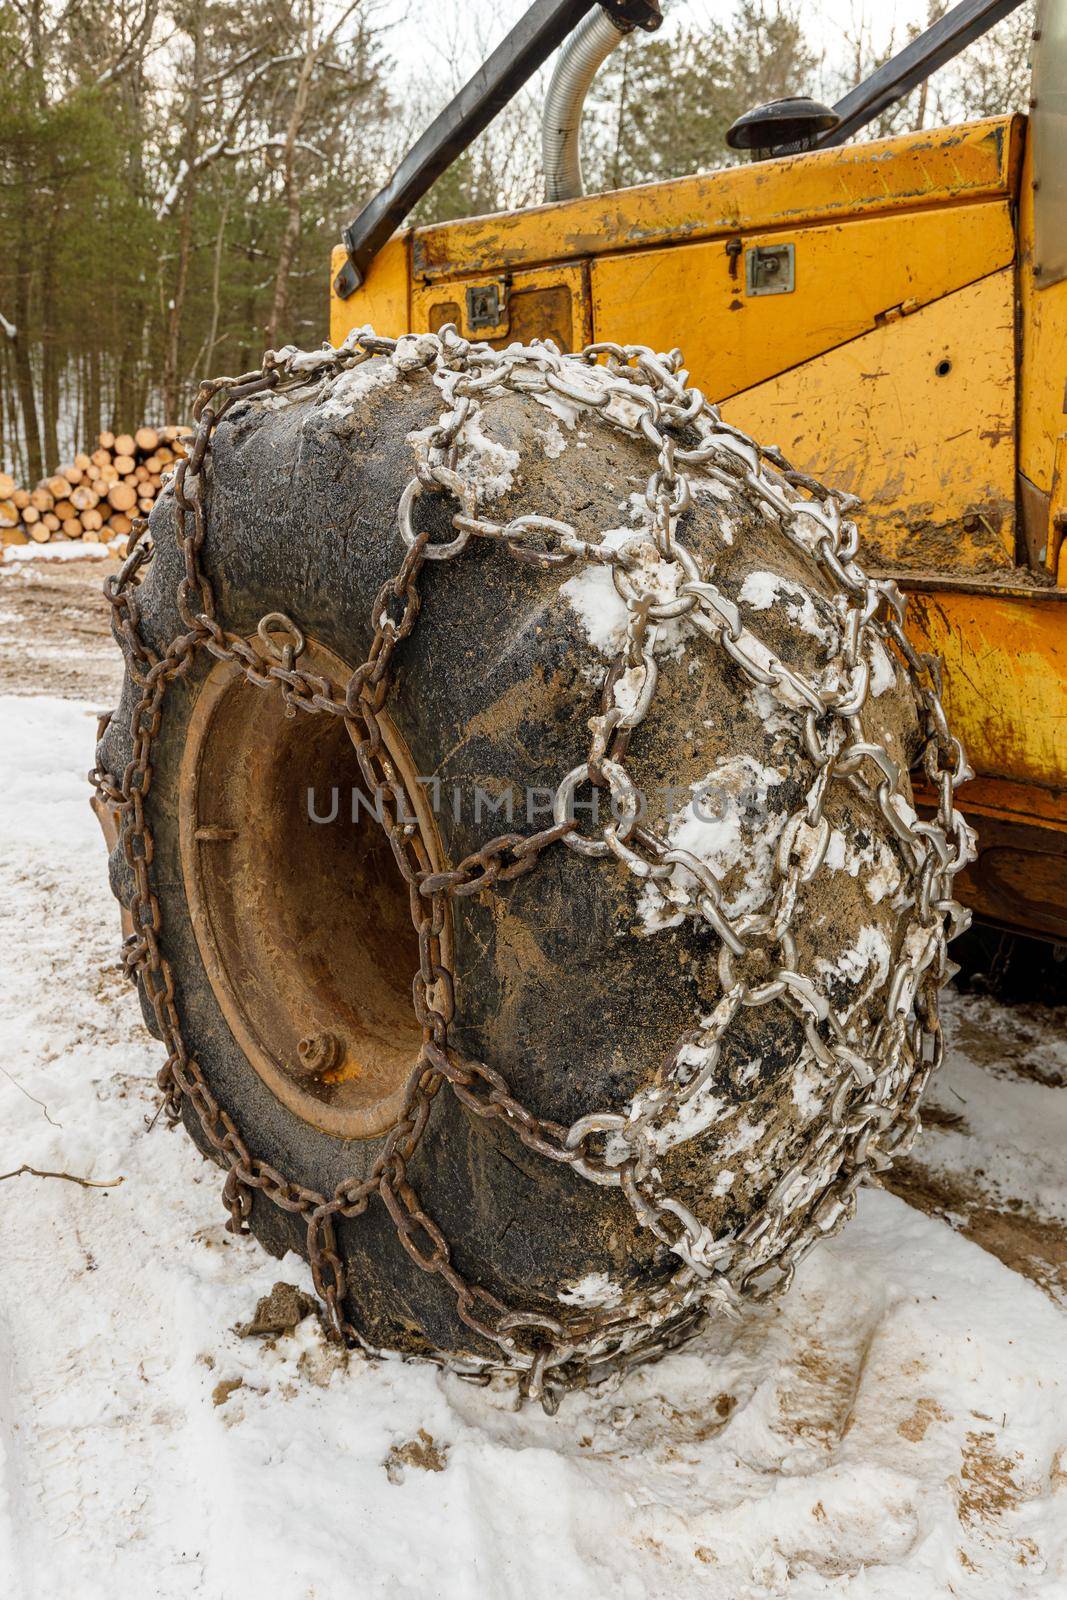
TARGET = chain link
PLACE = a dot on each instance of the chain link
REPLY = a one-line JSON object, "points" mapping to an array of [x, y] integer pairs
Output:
{"points": [[879, 1080]]}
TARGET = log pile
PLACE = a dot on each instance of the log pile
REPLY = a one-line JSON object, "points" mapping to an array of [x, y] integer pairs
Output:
{"points": [[95, 498]]}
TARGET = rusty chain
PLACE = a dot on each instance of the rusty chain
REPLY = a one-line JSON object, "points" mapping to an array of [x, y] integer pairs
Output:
{"points": [[880, 1077]]}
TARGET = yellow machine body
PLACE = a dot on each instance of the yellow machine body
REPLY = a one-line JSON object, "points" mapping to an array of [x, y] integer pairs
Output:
{"points": [[873, 311]]}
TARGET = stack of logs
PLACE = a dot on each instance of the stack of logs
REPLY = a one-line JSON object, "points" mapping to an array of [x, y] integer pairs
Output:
{"points": [[96, 498]]}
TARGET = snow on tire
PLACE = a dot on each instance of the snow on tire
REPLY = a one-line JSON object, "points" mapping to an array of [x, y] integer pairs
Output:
{"points": [[651, 1057]]}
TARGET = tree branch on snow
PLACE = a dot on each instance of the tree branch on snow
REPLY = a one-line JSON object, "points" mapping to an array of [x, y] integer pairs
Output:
{"points": [[71, 1177], [232, 66], [276, 142], [129, 50], [48, 1117], [288, 61], [221, 151], [170, 199]]}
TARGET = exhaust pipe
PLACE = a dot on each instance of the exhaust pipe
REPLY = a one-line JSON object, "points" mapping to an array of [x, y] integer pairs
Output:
{"points": [[577, 64]]}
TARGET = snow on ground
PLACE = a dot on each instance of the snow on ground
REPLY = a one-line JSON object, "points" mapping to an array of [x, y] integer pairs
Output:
{"points": [[61, 550], [896, 1427], [54, 635]]}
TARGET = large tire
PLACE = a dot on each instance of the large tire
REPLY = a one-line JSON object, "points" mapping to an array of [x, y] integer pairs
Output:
{"points": [[575, 981]]}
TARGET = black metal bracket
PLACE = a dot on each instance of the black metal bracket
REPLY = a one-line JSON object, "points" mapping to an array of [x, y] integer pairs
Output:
{"points": [[538, 33], [897, 77], [630, 14]]}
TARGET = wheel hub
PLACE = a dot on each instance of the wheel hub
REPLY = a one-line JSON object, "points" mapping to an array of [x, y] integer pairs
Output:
{"points": [[300, 912]]}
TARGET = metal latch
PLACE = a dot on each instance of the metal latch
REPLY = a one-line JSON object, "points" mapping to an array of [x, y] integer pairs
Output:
{"points": [[770, 269], [487, 308]]}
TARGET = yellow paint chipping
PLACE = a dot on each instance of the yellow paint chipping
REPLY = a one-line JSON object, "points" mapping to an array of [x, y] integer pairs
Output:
{"points": [[913, 363]]}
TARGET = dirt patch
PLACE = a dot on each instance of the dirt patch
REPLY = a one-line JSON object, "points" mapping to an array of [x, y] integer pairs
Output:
{"points": [[1012, 1042], [1032, 1245], [926, 1411], [703, 1424], [818, 1398], [55, 631], [986, 1487], [938, 1117], [422, 1452], [1028, 1244], [278, 1312], [222, 1391]]}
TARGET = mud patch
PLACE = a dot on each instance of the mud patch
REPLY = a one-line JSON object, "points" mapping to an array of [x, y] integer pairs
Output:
{"points": [[938, 1117], [56, 631], [422, 1452], [1034, 1246], [1012, 1043], [222, 1391], [926, 1411], [278, 1312], [818, 1396], [986, 1487]]}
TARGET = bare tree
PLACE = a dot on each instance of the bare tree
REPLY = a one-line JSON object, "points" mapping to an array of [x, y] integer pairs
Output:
{"points": [[313, 66]]}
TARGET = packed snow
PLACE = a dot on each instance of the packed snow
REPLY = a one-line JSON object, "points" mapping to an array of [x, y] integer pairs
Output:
{"points": [[603, 612], [895, 1427], [731, 819], [552, 440], [762, 590], [61, 550], [350, 386]]}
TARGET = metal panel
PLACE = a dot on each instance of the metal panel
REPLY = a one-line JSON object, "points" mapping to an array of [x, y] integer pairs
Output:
{"points": [[850, 278], [919, 170], [548, 303], [771, 269], [917, 417], [1005, 662], [1049, 135], [383, 301]]}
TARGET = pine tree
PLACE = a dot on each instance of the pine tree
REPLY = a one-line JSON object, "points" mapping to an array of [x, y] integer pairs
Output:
{"points": [[661, 107]]}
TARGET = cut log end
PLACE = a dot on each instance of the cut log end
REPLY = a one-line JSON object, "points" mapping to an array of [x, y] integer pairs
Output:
{"points": [[122, 497]]}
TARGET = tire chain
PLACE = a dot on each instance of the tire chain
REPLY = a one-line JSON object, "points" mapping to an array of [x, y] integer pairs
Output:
{"points": [[880, 1080]]}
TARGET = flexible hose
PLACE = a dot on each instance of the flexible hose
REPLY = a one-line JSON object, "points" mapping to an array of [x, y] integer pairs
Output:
{"points": [[577, 65]]}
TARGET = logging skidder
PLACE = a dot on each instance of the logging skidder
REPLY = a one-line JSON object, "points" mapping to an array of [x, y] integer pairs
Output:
{"points": [[535, 817]]}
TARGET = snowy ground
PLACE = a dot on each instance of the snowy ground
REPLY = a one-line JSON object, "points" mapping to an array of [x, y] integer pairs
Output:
{"points": [[897, 1427]]}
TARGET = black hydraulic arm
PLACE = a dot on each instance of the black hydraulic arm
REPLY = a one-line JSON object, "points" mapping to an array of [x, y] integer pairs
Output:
{"points": [[540, 31], [901, 73]]}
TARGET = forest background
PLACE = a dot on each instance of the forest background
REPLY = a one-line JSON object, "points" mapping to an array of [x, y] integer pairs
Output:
{"points": [[173, 173]]}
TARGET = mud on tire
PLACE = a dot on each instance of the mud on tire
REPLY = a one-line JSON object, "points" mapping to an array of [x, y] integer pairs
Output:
{"points": [[587, 986]]}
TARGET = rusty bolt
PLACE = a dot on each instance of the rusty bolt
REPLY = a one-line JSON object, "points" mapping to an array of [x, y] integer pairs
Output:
{"points": [[318, 1053]]}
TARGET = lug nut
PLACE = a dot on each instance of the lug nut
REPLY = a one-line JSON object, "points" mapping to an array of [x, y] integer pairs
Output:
{"points": [[318, 1053]]}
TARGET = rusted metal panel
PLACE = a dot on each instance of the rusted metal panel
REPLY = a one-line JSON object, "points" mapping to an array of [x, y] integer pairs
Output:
{"points": [[977, 161], [1005, 689], [917, 417], [1019, 879], [548, 303], [1005, 662], [849, 278]]}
